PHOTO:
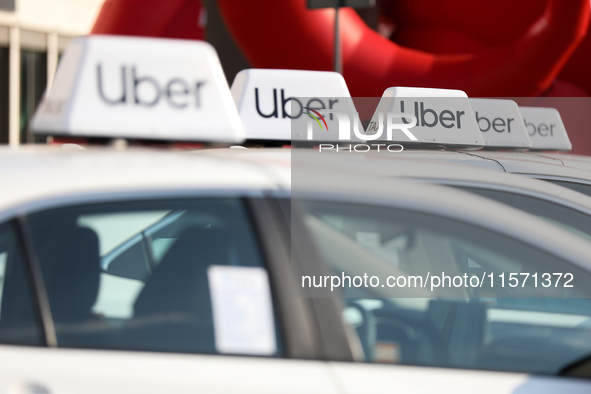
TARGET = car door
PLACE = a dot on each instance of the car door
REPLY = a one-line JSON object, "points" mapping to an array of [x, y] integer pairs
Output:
{"points": [[168, 295], [553, 210], [375, 254]]}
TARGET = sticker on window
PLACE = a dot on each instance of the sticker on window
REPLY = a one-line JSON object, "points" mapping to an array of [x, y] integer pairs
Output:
{"points": [[242, 310]]}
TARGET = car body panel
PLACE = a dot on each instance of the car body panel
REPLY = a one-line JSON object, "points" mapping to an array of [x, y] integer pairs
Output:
{"points": [[470, 158], [42, 175], [51, 178], [570, 160], [383, 378], [100, 371], [535, 164]]}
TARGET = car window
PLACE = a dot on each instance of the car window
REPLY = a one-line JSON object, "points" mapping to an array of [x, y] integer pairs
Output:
{"points": [[567, 218], [172, 275], [19, 323], [386, 259]]}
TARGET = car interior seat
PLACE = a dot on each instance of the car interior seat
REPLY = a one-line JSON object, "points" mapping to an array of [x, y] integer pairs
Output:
{"points": [[173, 311], [70, 261]]}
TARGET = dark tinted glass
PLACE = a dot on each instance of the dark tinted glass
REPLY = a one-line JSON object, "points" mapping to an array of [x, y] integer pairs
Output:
{"points": [[476, 326], [19, 323], [154, 275]]}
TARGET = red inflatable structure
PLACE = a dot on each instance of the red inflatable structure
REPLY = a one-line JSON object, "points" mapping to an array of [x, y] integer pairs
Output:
{"points": [[151, 18], [488, 48]]}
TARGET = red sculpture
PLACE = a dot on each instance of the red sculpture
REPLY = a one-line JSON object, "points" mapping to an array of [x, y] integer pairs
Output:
{"points": [[488, 48], [152, 18]]}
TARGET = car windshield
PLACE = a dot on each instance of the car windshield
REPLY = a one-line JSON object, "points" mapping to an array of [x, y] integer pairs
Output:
{"points": [[560, 215], [513, 313]]}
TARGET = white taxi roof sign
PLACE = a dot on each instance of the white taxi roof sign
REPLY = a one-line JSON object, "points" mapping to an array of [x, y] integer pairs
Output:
{"points": [[501, 123], [443, 117], [545, 128], [265, 99], [142, 88]]}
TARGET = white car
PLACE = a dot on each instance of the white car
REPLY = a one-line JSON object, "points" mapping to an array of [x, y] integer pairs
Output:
{"points": [[212, 281], [547, 133], [571, 171], [216, 271], [558, 205]]}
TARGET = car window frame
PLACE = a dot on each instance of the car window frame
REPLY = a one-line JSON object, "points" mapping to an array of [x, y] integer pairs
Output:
{"points": [[340, 341], [296, 318], [312, 250], [33, 274]]}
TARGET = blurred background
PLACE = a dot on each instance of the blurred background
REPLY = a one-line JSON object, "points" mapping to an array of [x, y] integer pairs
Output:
{"points": [[33, 34], [536, 50]]}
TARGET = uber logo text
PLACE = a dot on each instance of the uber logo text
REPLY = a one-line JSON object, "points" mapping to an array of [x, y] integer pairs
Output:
{"points": [[313, 103], [499, 125], [542, 129], [178, 92], [427, 117]]}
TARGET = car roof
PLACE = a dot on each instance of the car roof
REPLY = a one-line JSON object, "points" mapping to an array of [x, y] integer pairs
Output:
{"points": [[526, 163], [459, 157], [537, 164], [570, 160], [566, 156], [42, 173], [336, 185], [420, 166], [275, 162], [321, 176], [401, 166], [450, 173], [42, 177]]}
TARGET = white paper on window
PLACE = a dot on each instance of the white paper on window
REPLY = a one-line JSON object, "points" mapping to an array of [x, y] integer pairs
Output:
{"points": [[242, 310]]}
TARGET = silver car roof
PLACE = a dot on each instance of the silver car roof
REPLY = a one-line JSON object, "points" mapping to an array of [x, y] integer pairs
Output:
{"points": [[440, 171], [538, 164], [451, 173], [44, 176], [525, 163], [41, 177], [322, 176], [569, 160]]}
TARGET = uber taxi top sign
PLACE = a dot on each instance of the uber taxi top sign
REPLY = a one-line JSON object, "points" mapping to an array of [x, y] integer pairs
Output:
{"points": [[545, 128], [269, 100], [437, 116], [145, 88], [501, 123]]}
